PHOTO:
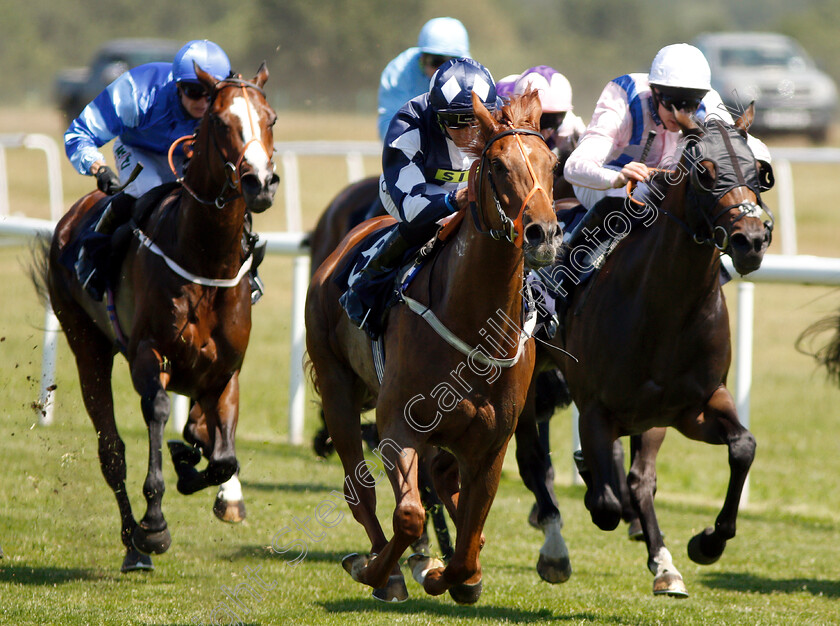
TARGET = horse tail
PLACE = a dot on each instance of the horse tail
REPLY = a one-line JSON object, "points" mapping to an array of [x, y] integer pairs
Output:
{"points": [[39, 266], [829, 354], [309, 370]]}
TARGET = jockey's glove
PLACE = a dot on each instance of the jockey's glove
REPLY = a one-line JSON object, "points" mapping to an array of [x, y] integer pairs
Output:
{"points": [[107, 181]]}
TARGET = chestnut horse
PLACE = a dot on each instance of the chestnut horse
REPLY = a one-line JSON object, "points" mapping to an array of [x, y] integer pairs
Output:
{"points": [[651, 338], [477, 280], [182, 311], [346, 211]]}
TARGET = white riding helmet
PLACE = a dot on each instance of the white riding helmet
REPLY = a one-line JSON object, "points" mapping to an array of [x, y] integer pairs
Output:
{"points": [[682, 66], [445, 36], [554, 88]]}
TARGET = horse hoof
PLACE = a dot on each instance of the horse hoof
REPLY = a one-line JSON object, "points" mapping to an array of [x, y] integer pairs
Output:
{"points": [[231, 512], [394, 591], [634, 531], [422, 545], [354, 563], [420, 565], [183, 454], [156, 542], [705, 548], [554, 571], [135, 561], [322, 444], [465, 594], [669, 584]]}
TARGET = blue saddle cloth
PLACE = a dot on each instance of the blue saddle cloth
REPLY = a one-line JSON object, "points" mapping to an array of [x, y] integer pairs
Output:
{"points": [[95, 245], [376, 295]]}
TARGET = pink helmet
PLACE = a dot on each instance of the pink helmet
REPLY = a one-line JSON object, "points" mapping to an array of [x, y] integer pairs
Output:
{"points": [[555, 90]]}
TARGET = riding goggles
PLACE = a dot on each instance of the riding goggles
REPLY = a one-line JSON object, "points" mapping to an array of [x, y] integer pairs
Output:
{"points": [[194, 91], [552, 120], [456, 121], [682, 103], [434, 60]]}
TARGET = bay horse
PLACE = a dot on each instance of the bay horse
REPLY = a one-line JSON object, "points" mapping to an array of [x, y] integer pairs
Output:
{"points": [[181, 310], [476, 280], [651, 340]]}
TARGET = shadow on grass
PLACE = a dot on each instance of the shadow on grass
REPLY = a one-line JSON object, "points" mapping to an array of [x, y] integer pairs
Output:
{"points": [[444, 607], [288, 487], [759, 584], [22, 575], [263, 552]]}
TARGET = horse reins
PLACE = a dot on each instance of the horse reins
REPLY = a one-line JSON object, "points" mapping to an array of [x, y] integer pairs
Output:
{"points": [[233, 179], [512, 229]]}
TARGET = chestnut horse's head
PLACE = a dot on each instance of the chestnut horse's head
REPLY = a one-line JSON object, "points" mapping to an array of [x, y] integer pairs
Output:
{"points": [[515, 178], [725, 185], [240, 123]]}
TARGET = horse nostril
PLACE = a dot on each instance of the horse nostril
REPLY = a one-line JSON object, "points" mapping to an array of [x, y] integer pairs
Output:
{"points": [[535, 234]]}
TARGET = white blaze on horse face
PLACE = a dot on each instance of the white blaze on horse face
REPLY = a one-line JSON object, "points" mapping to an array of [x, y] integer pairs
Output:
{"points": [[255, 153]]}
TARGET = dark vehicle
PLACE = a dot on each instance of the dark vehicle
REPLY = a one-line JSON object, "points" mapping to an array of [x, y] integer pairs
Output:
{"points": [[791, 94], [76, 87]]}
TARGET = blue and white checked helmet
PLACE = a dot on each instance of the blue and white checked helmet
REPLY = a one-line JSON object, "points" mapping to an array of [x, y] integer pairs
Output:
{"points": [[453, 83]]}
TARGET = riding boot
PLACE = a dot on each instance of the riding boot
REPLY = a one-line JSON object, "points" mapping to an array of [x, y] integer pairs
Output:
{"points": [[389, 254], [92, 266], [588, 236]]}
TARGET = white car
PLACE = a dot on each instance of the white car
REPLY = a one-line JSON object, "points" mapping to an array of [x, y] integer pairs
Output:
{"points": [[791, 94]]}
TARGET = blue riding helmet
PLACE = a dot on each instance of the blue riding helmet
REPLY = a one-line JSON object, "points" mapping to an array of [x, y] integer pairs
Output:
{"points": [[451, 88], [206, 54], [444, 36]]}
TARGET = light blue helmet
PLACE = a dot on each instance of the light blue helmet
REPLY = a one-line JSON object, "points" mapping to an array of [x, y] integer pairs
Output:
{"points": [[445, 36], [206, 54]]}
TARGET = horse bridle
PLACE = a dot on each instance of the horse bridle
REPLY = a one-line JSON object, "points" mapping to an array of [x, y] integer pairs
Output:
{"points": [[233, 178], [719, 235], [512, 230]]}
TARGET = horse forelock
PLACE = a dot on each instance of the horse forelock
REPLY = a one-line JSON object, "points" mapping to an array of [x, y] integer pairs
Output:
{"points": [[513, 114]]}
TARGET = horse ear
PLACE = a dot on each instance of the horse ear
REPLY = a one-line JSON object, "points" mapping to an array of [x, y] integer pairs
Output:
{"points": [[262, 75], [532, 106], [204, 78], [481, 113], [744, 122]]}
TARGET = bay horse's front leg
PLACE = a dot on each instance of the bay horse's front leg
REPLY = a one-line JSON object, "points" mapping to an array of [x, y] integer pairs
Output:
{"points": [[719, 424], [151, 535], [211, 427], [642, 483], [597, 438], [462, 576], [553, 564]]}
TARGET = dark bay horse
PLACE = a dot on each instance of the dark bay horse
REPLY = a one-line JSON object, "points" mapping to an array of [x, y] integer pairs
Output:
{"points": [[651, 338], [182, 307], [476, 282]]}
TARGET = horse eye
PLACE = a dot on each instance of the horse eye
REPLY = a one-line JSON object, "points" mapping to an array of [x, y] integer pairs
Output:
{"points": [[499, 168]]}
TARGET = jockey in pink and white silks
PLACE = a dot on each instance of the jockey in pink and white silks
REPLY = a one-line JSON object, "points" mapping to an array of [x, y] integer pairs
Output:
{"points": [[633, 129]]}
